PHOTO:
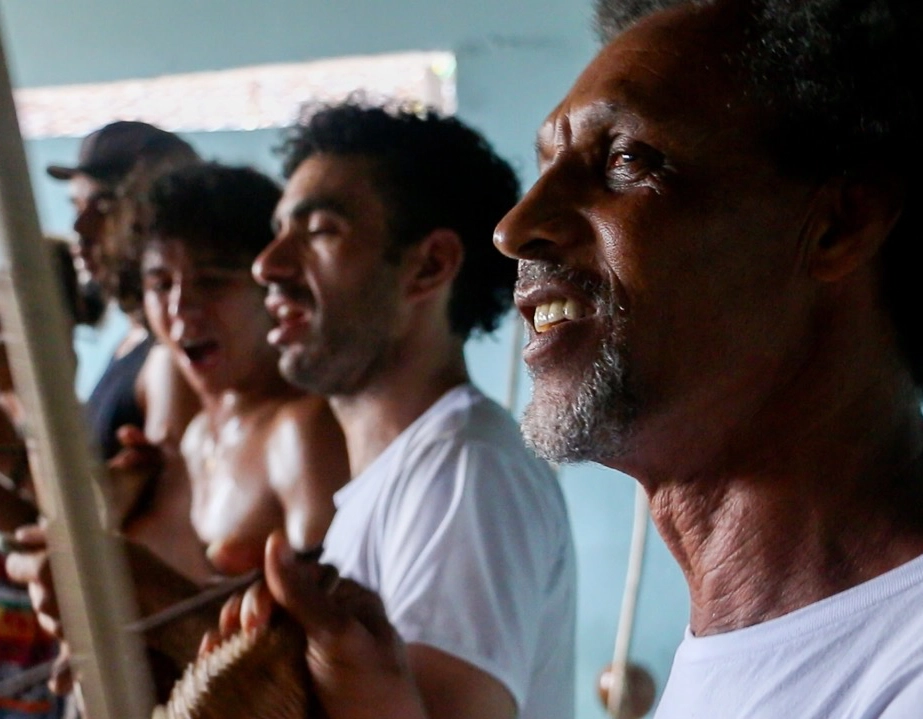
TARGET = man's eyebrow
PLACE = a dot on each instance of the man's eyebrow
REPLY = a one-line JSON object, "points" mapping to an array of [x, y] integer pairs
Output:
{"points": [[594, 118], [604, 113], [307, 205], [304, 207]]}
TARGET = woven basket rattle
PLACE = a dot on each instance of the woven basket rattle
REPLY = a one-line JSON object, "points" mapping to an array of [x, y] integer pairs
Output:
{"points": [[249, 675]]}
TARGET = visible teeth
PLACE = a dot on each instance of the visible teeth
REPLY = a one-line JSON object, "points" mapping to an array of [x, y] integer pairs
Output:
{"points": [[289, 313], [552, 313], [548, 314]]}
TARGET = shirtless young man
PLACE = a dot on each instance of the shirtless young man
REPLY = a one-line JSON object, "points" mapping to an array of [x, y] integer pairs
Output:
{"points": [[261, 454], [141, 400], [253, 426]]}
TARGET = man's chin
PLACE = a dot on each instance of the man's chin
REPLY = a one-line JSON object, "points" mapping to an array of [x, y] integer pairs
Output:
{"points": [[291, 367], [547, 432], [588, 425]]}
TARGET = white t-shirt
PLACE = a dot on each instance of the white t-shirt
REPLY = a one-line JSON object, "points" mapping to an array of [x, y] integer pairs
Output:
{"points": [[464, 533], [856, 654]]}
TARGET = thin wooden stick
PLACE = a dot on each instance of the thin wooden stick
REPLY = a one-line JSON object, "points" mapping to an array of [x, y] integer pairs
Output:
{"points": [[42, 672], [91, 577], [626, 627]]}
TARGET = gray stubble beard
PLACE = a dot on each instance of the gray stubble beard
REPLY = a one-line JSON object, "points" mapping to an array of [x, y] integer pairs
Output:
{"points": [[595, 424]]}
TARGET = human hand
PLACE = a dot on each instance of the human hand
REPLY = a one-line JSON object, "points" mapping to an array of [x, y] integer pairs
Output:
{"points": [[236, 554], [356, 659], [130, 472], [28, 564], [137, 451], [62, 680]]}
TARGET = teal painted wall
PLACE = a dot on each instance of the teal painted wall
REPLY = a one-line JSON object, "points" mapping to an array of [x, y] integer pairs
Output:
{"points": [[516, 59]]}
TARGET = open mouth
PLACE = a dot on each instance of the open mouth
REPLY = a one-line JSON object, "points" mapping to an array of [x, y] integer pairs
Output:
{"points": [[547, 315], [290, 319], [199, 351]]}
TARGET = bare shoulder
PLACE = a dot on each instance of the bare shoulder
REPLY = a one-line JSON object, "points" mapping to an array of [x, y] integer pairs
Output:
{"points": [[306, 433], [163, 392], [309, 421], [306, 464], [159, 357], [195, 436], [305, 408]]}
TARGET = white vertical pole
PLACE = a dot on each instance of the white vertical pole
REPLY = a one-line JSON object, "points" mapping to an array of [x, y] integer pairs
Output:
{"points": [[91, 576], [512, 378], [618, 690]]}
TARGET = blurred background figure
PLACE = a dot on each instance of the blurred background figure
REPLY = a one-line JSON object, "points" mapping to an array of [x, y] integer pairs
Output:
{"points": [[114, 169], [141, 404]]}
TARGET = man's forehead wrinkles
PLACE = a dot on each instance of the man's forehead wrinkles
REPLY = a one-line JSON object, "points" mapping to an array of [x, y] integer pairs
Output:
{"points": [[604, 113], [568, 124], [582, 122], [554, 135]]}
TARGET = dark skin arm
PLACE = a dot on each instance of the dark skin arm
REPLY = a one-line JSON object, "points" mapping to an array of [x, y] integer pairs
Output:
{"points": [[453, 688]]}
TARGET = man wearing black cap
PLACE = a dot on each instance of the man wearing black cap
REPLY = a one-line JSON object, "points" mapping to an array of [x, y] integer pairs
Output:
{"points": [[115, 165]]}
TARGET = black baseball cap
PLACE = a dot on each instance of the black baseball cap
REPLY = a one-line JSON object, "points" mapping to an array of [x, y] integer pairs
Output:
{"points": [[108, 154]]}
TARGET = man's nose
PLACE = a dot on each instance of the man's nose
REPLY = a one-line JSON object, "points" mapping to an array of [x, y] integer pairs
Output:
{"points": [[547, 220], [278, 261], [88, 225]]}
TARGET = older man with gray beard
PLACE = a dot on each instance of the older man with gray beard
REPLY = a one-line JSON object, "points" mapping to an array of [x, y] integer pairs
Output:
{"points": [[717, 269], [730, 225]]}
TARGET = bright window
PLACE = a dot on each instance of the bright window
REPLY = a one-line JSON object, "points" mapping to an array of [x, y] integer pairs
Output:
{"points": [[262, 96]]}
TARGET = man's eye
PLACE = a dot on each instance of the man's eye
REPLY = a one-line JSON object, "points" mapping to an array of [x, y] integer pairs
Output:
{"points": [[319, 229], [308, 229], [104, 204], [633, 164], [157, 285], [621, 158]]}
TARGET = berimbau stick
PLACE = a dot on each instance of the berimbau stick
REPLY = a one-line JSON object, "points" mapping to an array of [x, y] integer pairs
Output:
{"points": [[91, 577]]}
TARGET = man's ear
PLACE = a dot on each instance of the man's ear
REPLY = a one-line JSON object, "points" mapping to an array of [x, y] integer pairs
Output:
{"points": [[434, 262], [853, 221]]}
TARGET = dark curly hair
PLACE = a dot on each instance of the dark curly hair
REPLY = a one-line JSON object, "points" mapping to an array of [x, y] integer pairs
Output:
{"points": [[228, 207], [433, 172], [841, 79]]}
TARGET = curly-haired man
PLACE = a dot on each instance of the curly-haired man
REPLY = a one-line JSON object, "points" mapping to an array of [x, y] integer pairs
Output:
{"points": [[381, 268]]}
